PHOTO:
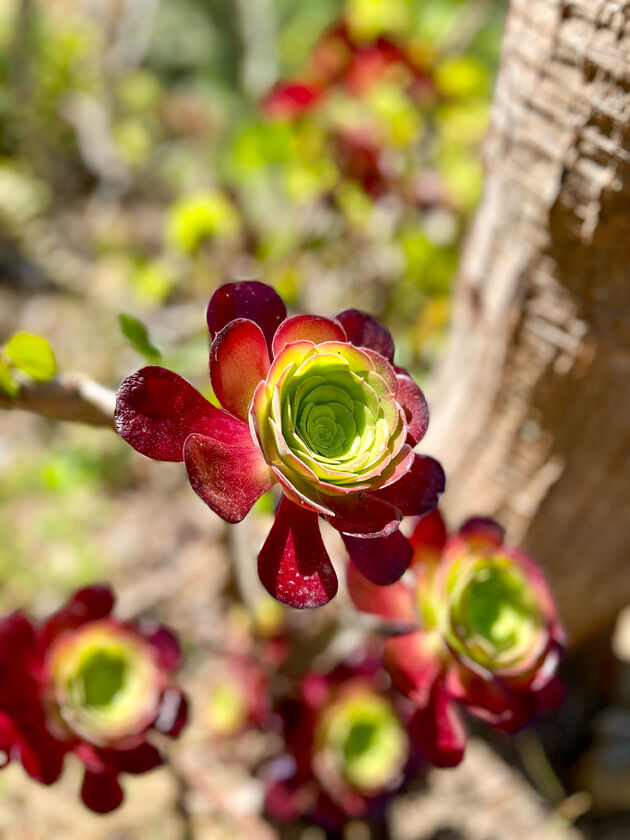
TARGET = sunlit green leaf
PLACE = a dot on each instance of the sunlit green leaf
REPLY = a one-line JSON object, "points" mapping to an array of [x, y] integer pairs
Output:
{"points": [[138, 336], [7, 385], [32, 355]]}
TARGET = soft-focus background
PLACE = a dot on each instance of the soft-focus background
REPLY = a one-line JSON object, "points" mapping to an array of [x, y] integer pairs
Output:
{"points": [[149, 151]]}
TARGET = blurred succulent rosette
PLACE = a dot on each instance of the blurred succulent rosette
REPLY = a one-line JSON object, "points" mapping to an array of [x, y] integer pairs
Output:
{"points": [[83, 682], [474, 624], [346, 747], [312, 404]]}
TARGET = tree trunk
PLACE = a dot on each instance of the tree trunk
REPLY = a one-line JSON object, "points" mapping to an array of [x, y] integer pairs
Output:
{"points": [[531, 406]]}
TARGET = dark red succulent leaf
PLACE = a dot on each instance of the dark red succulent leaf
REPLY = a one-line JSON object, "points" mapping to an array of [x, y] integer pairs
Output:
{"points": [[482, 532], [365, 331], [382, 560], [429, 534], [164, 642], [293, 563], [101, 792], [414, 664], [437, 729], [418, 490], [91, 603], [363, 514], [156, 410], [413, 401], [394, 601], [172, 716], [249, 299]]}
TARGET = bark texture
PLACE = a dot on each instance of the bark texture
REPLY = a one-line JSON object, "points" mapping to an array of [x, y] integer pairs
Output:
{"points": [[531, 407]]}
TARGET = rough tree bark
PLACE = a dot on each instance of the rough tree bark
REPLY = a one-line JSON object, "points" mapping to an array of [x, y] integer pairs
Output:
{"points": [[531, 407]]}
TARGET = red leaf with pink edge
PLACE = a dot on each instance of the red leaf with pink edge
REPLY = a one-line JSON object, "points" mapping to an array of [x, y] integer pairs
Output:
{"points": [[428, 538], [438, 731], [306, 328], [418, 490], [239, 360], [364, 331], [414, 664], [362, 514], [229, 476], [163, 642], [173, 714], [382, 560], [101, 792], [413, 401], [293, 564], [156, 410], [394, 602], [246, 299]]}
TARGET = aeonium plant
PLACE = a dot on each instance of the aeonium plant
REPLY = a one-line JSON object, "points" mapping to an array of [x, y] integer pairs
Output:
{"points": [[83, 682], [312, 404], [474, 624], [346, 746]]}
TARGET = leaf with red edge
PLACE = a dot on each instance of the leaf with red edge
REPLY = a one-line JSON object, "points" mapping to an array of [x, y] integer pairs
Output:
{"points": [[362, 514], [246, 299], [156, 410], [414, 663], [438, 730], [293, 564], [229, 476], [419, 489], [306, 328], [364, 331], [239, 360], [101, 792], [382, 560], [413, 401], [394, 602]]}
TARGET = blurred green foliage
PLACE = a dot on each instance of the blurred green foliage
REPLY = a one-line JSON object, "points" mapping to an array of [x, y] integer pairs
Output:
{"points": [[362, 198]]}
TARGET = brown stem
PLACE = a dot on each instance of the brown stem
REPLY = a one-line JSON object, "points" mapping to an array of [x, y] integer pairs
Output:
{"points": [[67, 397]]}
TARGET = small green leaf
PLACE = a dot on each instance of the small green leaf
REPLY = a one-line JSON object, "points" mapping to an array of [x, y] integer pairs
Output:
{"points": [[138, 336], [6, 381], [32, 355]]}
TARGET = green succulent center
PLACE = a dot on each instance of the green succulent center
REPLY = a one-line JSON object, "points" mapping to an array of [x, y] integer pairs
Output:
{"points": [[366, 739], [105, 681], [329, 422], [101, 677], [494, 612], [227, 707]]}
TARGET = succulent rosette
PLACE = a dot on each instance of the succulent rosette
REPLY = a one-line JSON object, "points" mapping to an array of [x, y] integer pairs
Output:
{"points": [[313, 404], [347, 749], [83, 682], [236, 696], [476, 625]]}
